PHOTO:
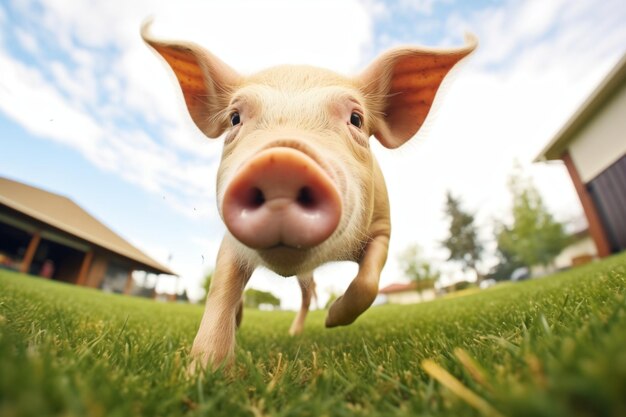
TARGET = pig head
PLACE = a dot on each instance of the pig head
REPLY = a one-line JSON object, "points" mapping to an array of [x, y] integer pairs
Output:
{"points": [[298, 185]]}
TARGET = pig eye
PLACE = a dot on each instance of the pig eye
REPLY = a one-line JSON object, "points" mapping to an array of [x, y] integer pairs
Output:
{"points": [[235, 119], [356, 120]]}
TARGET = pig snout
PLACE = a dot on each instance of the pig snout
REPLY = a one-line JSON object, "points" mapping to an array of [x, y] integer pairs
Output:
{"points": [[281, 197]]}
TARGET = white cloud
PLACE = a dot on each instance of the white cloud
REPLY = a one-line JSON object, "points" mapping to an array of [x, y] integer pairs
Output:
{"points": [[534, 18], [78, 86], [262, 34], [420, 6], [557, 28], [27, 40], [45, 111], [34, 103]]}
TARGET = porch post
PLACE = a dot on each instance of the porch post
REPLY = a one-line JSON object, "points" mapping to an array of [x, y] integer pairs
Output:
{"points": [[129, 283], [30, 252], [593, 218], [84, 268]]}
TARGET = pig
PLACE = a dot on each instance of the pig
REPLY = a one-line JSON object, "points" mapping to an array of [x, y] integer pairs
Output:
{"points": [[298, 185]]}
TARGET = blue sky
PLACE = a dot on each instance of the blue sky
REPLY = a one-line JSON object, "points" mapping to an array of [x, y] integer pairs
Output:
{"points": [[87, 111]]}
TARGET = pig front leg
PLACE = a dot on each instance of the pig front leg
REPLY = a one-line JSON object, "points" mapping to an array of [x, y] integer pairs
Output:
{"points": [[307, 286], [364, 287], [215, 342]]}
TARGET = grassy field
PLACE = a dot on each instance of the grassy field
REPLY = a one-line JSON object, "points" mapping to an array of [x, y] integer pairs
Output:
{"points": [[549, 347]]}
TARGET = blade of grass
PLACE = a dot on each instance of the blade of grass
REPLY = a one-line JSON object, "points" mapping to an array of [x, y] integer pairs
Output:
{"points": [[449, 381]]}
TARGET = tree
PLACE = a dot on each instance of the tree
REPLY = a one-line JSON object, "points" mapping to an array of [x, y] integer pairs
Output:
{"points": [[417, 269], [253, 298], [462, 241], [507, 263], [534, 237]]}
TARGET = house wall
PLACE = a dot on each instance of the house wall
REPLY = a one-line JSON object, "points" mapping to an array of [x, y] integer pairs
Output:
{"points": [[607, 191], [603, 140], [107, 267], [582, 248], [581, 251], [69, 255], [56, 256], [97, 270]]}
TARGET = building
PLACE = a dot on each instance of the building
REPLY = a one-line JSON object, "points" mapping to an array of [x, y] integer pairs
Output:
{"points": [[406, 293], [580, 250], [592, 144], [49, 235]]}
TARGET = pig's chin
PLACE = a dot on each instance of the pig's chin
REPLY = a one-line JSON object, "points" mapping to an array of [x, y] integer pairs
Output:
{"points": [[286, 260]]}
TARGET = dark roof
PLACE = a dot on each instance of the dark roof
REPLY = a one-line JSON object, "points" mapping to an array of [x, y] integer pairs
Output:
{"points": [[63, 214]]}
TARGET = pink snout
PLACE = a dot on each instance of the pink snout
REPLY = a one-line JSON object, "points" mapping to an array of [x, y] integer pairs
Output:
{"points": [[281, 197]]}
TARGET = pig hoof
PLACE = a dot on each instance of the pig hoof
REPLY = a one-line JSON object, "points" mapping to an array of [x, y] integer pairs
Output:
{"points": [[196, 368], [204, 362], [338, 316], [295, 331], [334, 322]]}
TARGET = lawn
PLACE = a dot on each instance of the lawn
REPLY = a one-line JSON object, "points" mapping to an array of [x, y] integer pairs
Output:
{"points": [[555, 346]]}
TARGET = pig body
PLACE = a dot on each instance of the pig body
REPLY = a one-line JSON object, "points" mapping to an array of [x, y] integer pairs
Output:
{"points": [[298, 185]]}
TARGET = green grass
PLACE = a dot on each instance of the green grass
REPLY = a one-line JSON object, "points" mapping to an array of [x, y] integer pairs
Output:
{"points": [[549, 347]]}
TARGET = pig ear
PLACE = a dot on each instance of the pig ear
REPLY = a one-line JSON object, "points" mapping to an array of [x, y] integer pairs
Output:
{"points": [[402, 85], [206, 82]]}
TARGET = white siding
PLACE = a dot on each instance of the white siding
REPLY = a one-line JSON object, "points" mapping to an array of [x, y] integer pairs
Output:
{"points": [[603, 140], [582, 247]]}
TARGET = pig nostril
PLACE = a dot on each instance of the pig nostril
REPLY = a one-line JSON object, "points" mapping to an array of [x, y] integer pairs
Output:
{"points": [[306, 198], [255, 198], [281, 198]]}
